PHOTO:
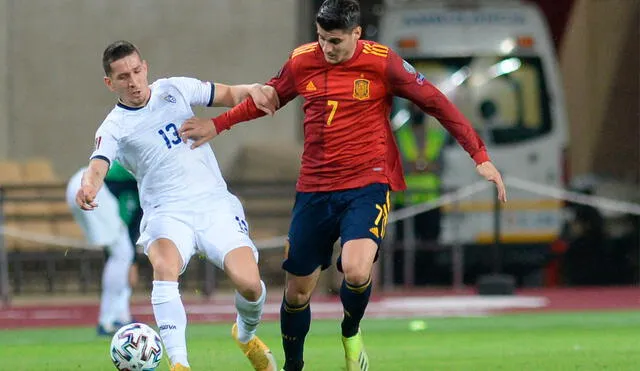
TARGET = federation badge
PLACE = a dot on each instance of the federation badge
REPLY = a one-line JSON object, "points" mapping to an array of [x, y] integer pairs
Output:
{"points": [[169, 98], [361, 89]]}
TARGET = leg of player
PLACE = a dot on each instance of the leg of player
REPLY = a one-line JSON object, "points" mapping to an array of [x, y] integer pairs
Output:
{"points": [[114, 285], [357, 263], [295, 317], [241, 267], [165, 297], [125, 251]]}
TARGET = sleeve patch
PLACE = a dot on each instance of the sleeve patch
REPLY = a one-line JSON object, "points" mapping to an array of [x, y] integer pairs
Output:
{"points": [[408, 67]]}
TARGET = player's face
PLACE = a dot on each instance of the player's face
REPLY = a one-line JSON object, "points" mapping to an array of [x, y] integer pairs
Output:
{"points": [[128, 79], [338, 45]]}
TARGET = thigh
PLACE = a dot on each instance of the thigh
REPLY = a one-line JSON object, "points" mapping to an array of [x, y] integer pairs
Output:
{"points": [[177, 229], [366, 214], [223, 230], [313, 231]]}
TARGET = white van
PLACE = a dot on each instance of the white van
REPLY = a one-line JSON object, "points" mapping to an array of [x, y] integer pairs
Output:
{"points": [[496, 61]]}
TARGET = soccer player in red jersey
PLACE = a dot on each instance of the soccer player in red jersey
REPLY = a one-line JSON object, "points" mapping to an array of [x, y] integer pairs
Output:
{"points": [[349, 164]]}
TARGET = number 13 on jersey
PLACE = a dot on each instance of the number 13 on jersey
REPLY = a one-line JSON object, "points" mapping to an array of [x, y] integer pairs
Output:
{"points": [[334, 107]]}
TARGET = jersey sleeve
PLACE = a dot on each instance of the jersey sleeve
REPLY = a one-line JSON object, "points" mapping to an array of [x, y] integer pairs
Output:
{"points": [[106, 144], [404, 81], [284, 84], [196, 92]]}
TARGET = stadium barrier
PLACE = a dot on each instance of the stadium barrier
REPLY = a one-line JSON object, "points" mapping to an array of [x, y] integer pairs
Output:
{"points": [[274, 190]]}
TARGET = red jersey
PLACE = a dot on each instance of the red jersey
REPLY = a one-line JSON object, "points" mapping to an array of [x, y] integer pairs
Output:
{"points": [[348, 141]]}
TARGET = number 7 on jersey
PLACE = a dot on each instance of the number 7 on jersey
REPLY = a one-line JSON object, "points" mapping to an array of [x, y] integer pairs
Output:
{"points": [[334, 108]]}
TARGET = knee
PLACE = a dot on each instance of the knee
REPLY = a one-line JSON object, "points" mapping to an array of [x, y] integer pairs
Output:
{"points": [[250, 290], [297, 296], [165, 269], [356, 274]]}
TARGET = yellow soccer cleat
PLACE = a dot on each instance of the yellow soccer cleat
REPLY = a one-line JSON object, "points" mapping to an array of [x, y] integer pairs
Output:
{"points": [[179, 367], [256, 351], [354, 353]]}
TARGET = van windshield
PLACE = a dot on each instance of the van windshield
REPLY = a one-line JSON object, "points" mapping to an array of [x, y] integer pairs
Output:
{"points": [[505, 98]]}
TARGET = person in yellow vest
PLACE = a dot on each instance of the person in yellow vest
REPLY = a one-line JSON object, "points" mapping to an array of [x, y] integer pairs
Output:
{"points": [[420, 141]]}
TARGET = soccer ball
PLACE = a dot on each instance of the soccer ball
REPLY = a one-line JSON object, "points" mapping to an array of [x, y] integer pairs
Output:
{"points": [[136, 347]]}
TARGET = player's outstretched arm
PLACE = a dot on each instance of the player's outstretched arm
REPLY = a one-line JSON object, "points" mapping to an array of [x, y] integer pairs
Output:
{"points": [[408, 83], [202, 130], [265, 97], [92, 180]]}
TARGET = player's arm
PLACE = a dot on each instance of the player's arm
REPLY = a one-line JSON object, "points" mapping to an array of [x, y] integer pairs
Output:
{"points": [[106, 147], [92, 181], [202, 130], [405, 82], [264, 97]]}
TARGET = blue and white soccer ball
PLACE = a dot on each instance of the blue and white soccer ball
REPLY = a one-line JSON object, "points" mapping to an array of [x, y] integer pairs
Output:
{"points": [[136, 347]]}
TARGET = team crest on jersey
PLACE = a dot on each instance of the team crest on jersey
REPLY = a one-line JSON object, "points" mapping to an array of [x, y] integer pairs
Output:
{"points": [[169, 98], [361, 89], [420, 79]]}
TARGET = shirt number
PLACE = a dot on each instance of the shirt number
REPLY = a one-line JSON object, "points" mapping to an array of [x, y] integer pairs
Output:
{"points": [[334, 108], [170, 129]]}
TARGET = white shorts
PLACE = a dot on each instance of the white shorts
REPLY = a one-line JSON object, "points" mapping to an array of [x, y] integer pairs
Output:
{"points": [[214, 233], [101, 226]]}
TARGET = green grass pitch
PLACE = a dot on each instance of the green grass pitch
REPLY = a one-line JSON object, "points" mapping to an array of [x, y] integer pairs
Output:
{"points": [[540, 342]]}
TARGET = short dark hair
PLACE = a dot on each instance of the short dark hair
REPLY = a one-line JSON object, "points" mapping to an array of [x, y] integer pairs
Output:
{"points": [[338, 15], [117, 50]]}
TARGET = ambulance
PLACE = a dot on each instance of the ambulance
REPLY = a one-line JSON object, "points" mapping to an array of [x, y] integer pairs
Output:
{"points": [[496, 61]]}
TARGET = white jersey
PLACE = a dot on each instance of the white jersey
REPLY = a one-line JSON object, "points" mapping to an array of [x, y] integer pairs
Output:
{"points": [[171, 176]]}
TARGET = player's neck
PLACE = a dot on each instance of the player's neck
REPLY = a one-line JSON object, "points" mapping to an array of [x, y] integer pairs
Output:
{"points": [[349, 57], [136, 106]]}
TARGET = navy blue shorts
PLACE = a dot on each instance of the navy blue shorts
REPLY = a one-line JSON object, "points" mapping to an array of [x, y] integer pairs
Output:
{"points": [[319, 218]]}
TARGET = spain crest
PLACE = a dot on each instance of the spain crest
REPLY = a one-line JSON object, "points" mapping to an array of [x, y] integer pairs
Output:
{"points": [[361, 89]]}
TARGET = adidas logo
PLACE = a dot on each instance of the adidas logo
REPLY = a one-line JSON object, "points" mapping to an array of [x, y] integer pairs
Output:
{"points": [[311, 86]]}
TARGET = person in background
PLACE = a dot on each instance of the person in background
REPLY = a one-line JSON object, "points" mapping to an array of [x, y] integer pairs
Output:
{"points": [[103, 227], [122, 184]]}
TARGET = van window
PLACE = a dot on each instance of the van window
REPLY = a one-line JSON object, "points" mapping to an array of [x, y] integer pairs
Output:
{"points": [[505, 98]]}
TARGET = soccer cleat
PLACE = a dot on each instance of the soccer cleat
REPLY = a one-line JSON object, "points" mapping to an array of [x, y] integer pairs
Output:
{"points": [[256, 351], [102, 330], [180, 367], [354, 353]]}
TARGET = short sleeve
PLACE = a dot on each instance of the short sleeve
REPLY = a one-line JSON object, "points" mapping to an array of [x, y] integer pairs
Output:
{"points": [[106, 144], [196, 92]]}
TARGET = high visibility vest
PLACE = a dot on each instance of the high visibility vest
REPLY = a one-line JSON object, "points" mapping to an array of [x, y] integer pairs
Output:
{"points": [[421, 187]]}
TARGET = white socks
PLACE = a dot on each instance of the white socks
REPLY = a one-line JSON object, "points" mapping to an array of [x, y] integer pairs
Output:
{"points": [[171, 319], [249, 314]]}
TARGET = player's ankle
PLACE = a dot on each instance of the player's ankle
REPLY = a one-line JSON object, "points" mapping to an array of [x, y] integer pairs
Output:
{"points": [[293, 365]]}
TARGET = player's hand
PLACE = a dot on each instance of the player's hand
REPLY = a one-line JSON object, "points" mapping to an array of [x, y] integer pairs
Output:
{"points": [[86, 197], [490, 173], [199, 130], [265, 98]]}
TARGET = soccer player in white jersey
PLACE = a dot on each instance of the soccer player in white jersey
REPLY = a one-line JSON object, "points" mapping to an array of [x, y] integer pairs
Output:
{"points": [[186, 204], [103, 227]]}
